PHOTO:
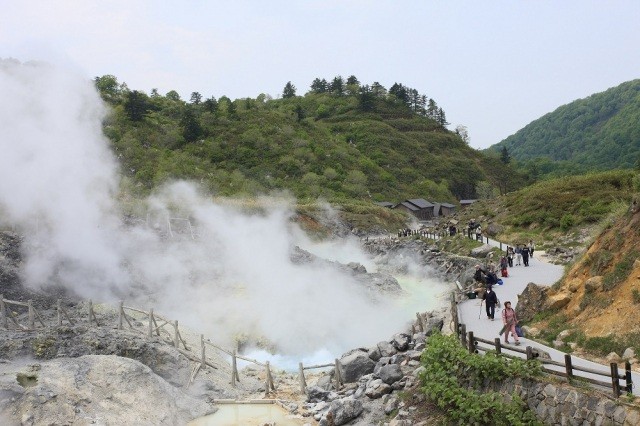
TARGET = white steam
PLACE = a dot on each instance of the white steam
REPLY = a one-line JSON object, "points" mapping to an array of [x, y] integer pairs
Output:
{"points": [[219, 270]]}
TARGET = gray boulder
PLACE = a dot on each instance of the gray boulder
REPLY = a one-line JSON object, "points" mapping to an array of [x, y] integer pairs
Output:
{"points": [[401, 341], [316, 394], [377, 388], [434, 325], [342, 411], [356, 365], [386, 349], [390, 373], [481, 252]]}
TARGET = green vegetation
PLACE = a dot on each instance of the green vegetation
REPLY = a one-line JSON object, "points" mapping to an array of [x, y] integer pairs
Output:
{"points": [[453, 377], [620, 271], [557, 208], [635, 294], [342, 140], [599, 132]]}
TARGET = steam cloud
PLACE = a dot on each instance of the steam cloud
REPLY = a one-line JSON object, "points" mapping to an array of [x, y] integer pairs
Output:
{"points": [[58, 184]]}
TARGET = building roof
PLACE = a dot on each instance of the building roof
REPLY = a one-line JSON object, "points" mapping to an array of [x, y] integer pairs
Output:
{"points": [[408, 205], [447, 205], [420, 203], [467, 201]]}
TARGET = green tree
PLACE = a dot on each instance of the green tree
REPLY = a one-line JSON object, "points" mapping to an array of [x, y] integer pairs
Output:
{"points": [[108, 88], [289, 91], [191, 129], [136, 105], [504, 155], [211, 105], [173, 95], [337, 86], [319, 85], [196, 98], [300, 115], [366, 99]]}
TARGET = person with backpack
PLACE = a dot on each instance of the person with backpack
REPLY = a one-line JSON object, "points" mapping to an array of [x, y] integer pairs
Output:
{"points": [[510, 320], [491, 300]]}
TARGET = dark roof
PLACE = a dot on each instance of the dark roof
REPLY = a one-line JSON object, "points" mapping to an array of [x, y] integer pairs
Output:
{"points": [[420, 203], [447, 205], [467, 201], [408, 205]]}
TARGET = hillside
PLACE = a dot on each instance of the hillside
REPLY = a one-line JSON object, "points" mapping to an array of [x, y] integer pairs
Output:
{"points": [[600, 132], [361, 143]]}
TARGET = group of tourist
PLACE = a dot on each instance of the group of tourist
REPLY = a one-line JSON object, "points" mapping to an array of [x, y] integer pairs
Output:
{"points": [[487, 277]]}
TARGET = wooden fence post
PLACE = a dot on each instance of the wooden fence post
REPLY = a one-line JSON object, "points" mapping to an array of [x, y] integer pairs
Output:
{"points": [[120, 314], [529, 352], [303, 382], [150, 331], [234, 369], [59, 306], [615, 384], [419, 322], [176, 340], [568, 366], [3, 312], [463, 334], [472, 342], [338, 375], [32, 317], [90, 310], [270, 385], [627, 377], [203, 361], [498, 346], [454, 314]]}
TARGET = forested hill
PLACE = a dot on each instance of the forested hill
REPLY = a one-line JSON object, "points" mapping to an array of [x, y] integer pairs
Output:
{"points": [[600, 132], [341, 139]]}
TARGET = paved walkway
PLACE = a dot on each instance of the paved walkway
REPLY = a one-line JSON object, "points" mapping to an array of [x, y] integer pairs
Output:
{"points": [[539, 271]]}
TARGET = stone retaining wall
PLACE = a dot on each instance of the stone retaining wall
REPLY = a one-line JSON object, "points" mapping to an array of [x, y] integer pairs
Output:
{"points": [[558, 404]]}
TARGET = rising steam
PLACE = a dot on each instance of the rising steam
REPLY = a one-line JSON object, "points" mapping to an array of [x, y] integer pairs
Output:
{"points": [[221, 271]]}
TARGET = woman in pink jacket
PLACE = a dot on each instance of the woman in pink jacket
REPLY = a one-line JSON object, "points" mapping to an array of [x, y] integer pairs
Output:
{"points": [[509, 320]]}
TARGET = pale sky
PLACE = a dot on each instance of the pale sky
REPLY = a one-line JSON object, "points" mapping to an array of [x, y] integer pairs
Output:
{"points": [[493, 66]]}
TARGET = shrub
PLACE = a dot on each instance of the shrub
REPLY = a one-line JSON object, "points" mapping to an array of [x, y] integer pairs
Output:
{"points": [[451, 373], [566, 222]]}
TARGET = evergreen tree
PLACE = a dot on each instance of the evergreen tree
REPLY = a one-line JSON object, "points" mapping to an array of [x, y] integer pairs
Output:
{"points": [[136, 105], [319, 86], [366, 98], [352, 80], [211, 105], [442, 119], [432, 109], [400, 93], [289, 91], [378, 90], [337, 86], [299, 113], [191, 129], [196, 98], [504, 155]]}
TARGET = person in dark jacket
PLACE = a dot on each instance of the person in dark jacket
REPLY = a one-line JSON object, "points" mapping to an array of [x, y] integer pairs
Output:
{"points": [[490, 299], [525, 255]]}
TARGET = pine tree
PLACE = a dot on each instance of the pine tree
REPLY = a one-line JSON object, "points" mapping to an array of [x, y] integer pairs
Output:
{"points": [[289, 91]]}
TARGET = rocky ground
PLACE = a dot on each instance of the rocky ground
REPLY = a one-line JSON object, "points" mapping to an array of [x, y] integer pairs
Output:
{"points": [[87, 374]]}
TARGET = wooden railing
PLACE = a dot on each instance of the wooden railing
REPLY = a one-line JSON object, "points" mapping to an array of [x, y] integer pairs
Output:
{"points": [[153, 324], [569, 371]]}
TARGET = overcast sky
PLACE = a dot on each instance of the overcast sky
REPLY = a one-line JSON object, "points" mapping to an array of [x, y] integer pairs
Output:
{"points": [[493, 66]]}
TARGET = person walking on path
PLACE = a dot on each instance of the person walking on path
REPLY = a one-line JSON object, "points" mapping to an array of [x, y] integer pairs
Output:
{"points": [[510, 255], [510, 320], [490, 299], [532, 247], [518, 255], [525, 255]]}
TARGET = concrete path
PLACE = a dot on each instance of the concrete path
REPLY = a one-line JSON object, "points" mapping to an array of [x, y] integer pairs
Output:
{"points": [[539, 271]]}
